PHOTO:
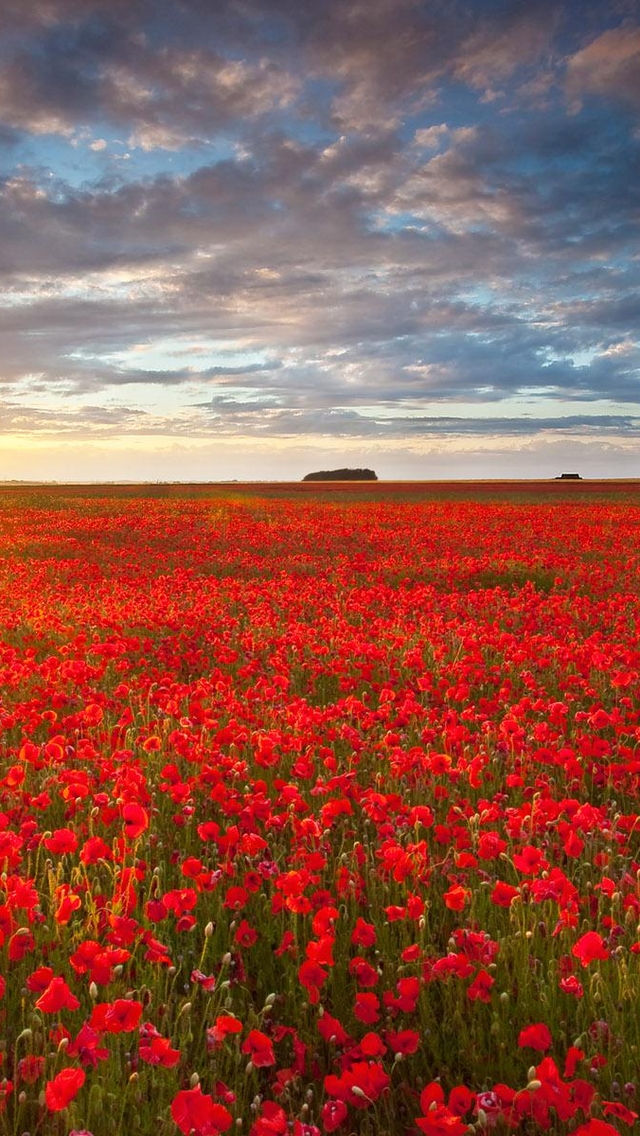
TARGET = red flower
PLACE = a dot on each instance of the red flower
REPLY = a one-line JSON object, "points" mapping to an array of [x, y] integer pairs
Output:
{"points": [[615, 1108], [479, 990], [87, 1047], [57, 997], [158, 1051], [271, 1122], [572, 985], [312, 977], [536, 1036], [62, 1089], [39, 979], [136, 819], [364, 973], [30, 1068], [440, 1121], [224, 1024], [405, 1041], [367, 1008], [460, 1100], [260, 1049], [456, 897], [246, 935], [372, 1045], [195, 1111], [334, 1113], [588, 948], [61, 841], [503, 894], [360, 1086], [554, 1091], [330, 1029], [596, 1127], [121, 1016], [363, 934]]}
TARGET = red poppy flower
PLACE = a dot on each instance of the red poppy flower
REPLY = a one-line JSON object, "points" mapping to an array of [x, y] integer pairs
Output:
{"points": [[259, 1048], [537, 1036], [271, 1122], [571, 985], [334, 1113], [360, 1086], [589, 948], [245, 935], [30, 1068], [372, 1045], [20, 944], [196, 1112], [158, 1051], [39, 979], [61, 841], [367, 1008], [86, 1046], [363, 934], [95, 849], [440, 1121], [404, 1041], [120, 1016], [62, 1089], [56, 997], [312, 977], [595, 1127], [364, 973], [456, 897], [503, 894], [480, 988], [224, 1025], [460, 1100], [136, 819], [620, 1111]]}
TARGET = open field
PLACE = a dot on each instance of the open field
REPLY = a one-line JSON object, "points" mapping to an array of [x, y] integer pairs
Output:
{"points": [[319, 808], [545, 488]]}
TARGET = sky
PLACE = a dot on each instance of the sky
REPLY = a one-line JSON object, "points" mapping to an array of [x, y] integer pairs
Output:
{"points": [[248, 239]]}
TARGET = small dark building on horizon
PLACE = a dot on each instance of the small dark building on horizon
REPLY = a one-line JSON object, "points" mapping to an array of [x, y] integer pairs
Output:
{"points": [[569, 477]]}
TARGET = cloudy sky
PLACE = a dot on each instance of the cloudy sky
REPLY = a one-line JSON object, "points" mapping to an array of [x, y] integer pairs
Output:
{"points": [[251, 238]]}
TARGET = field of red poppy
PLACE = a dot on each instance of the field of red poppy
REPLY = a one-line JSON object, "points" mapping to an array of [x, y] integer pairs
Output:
{"points": [[319, 812]]}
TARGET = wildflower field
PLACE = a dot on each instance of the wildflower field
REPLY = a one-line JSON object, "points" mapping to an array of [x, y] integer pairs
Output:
{"points": [[319, 811]]}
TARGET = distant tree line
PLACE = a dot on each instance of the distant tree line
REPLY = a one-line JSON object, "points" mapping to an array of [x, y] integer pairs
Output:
{"points": [[342, 475]]}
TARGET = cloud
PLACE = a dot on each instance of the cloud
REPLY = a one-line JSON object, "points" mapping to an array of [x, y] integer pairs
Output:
{"points": [[340, 218], [496, 49], [609, 66]]}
